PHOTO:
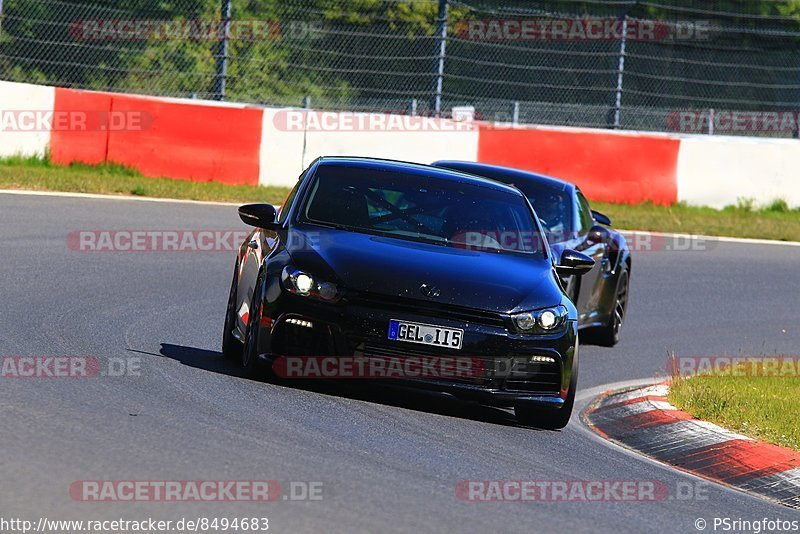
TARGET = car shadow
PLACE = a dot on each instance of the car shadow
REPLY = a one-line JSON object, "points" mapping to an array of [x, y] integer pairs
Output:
{"points": [[383, 393]]}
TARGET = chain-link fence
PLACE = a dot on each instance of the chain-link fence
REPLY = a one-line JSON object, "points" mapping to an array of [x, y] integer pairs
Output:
{"points": [[697, 66]]}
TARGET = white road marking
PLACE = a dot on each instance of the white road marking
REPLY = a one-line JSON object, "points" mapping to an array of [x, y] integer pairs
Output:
{"points": [[112, 197], [722, 239]]}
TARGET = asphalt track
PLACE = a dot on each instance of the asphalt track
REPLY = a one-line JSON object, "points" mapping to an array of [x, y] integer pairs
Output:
{"points": [[388, 461]]}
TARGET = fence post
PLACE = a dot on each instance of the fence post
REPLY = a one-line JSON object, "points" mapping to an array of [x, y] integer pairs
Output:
{"points": [[220, 79], [1, 16], [441, 45], [515, 114], [711, 121], [307, 107], [620, 71]]}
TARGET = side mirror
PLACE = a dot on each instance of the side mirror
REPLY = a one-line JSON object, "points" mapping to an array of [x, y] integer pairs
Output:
{"points": [[574, 263], [259, 215], [602, 219]]}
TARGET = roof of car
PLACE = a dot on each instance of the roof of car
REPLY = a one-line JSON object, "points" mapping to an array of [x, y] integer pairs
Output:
{"points": [[506, 174], [419, 169]]}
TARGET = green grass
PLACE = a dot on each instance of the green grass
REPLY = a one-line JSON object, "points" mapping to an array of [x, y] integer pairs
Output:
{"points": [[776, 221], [42, 175], [760, 407]]}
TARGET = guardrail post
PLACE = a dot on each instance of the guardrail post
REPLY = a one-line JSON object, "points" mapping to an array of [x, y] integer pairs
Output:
{"points": [[220, 80]]}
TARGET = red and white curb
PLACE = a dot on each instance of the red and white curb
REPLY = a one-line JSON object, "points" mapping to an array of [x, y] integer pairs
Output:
{"points": [[642, 419]]}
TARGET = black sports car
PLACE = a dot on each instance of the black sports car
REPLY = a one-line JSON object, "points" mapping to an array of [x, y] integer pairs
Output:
{"points": [[570, 224], [378, 260]]}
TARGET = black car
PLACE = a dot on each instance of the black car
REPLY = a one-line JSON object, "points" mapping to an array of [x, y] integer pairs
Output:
{"points": [[570, 224], [373, 259]]}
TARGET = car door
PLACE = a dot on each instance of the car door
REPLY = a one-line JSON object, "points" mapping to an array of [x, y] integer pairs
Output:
{"points": [[589, 294]]}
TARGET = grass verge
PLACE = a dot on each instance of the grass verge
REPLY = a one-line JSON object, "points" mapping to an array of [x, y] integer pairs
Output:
{"points": [[776, 222], [763, 407], [42, 175]]}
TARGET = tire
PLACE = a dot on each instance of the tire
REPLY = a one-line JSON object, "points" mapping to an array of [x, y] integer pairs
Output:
{"points": [[250, 360], [609, 335], [548, 418], [231, 347]]}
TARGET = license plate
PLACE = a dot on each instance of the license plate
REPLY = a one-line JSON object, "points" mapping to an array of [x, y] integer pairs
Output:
{"points": [[426, 334]]}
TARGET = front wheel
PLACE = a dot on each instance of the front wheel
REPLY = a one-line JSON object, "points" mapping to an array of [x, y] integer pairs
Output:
{"points": [[608, 335], [231, 347], [250, 352]]}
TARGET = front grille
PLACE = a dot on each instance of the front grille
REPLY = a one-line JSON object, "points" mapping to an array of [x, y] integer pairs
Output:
{"points": [[514, 374], [434, 309], [399, 350], [479, 375]]}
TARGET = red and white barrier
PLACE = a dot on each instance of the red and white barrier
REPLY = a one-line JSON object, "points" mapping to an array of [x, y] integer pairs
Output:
{"points": [[717, 171], [180, 139], [23, 103], [239, 144], [627, 167], [292, 139]]}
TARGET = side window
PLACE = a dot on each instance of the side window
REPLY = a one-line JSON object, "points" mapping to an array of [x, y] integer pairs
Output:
{"points": [[288, 202], [585, 219]]}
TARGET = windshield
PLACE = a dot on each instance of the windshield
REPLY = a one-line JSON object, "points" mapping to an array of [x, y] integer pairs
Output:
{"points": [[553, 207], [422, 208]]}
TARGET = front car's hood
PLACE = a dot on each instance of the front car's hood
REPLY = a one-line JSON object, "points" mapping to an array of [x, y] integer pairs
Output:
{"points": [[397, 268]]}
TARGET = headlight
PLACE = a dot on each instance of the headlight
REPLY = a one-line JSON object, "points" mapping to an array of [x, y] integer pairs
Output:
{"points": [[303, 282], [547, 321], [305, 285]]}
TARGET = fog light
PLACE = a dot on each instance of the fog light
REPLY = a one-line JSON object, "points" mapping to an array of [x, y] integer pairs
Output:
{"points": [[542, 359], [300, 322]]}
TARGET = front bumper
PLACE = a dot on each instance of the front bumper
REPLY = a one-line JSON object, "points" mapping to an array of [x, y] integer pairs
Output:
{"points": [[302, 327]]}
